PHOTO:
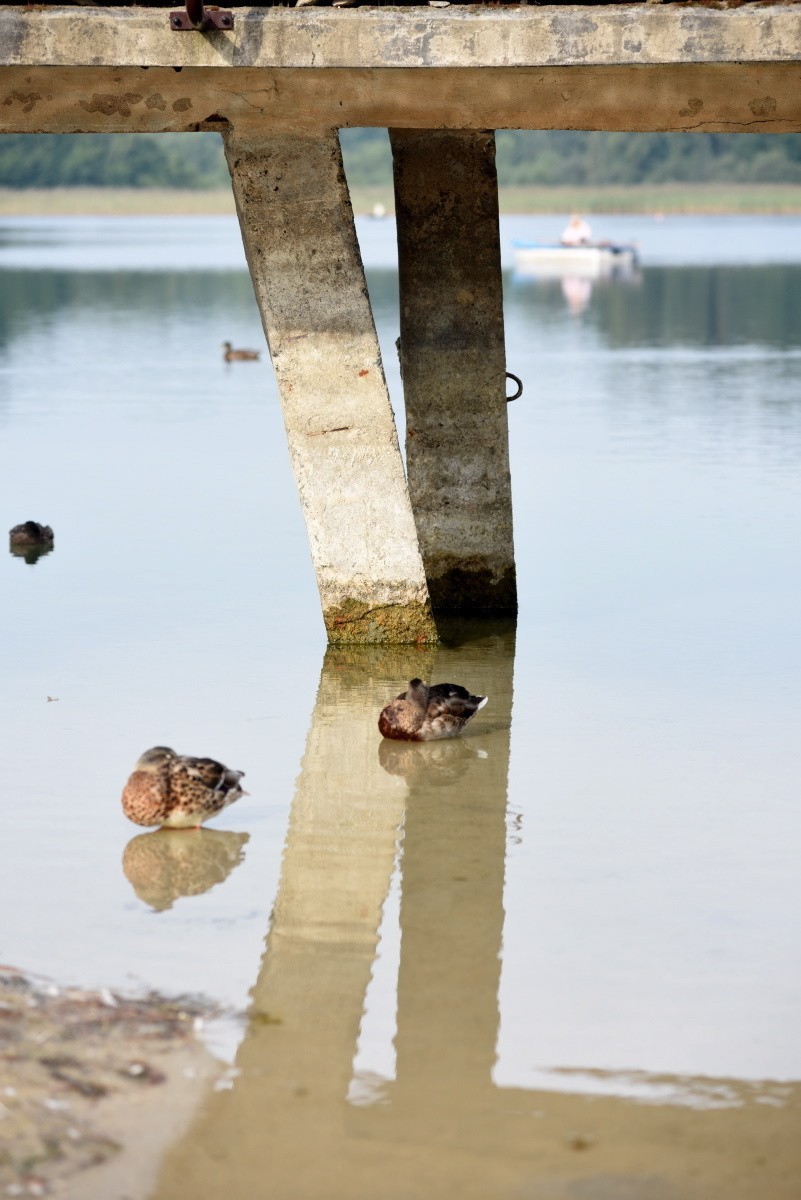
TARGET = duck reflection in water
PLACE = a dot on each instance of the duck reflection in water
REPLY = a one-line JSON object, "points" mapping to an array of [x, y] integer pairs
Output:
{"points": [[31, 554], [436, 762], [165, 865]]}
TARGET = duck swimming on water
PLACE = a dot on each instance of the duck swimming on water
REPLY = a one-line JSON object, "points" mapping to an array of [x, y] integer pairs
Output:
{"points": [[423, 713], [178, 791], [232, 355], [31, 533]]}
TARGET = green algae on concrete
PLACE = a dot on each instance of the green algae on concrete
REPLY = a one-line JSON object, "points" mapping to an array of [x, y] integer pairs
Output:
{"points": [[353, 664], [356, 621]]}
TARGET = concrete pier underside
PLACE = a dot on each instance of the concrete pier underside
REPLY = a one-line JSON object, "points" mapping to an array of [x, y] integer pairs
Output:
{"points": [[278, 86]]}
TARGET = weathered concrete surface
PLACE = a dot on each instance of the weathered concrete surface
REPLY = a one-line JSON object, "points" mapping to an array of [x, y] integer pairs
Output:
{"points": [[713, 98], [417, 37], [300, 242], [629, 67], [453, 362]]}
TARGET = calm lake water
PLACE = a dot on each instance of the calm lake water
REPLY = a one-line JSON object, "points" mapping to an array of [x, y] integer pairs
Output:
{"points": [[597, 892]]}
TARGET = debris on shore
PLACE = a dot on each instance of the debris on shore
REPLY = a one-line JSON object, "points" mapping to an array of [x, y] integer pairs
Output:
{"points": [[69, 1055]]}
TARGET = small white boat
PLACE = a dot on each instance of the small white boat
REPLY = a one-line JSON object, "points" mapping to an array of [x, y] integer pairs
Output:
{"points": [[592, 260]]}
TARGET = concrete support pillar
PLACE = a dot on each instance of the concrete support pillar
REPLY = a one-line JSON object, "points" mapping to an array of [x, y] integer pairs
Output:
{"points": [[453, 363], [297, 226]]}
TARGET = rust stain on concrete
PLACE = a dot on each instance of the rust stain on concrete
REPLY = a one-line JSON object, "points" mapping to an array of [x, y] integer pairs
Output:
{"points": [[28, 100], [111, 105]]}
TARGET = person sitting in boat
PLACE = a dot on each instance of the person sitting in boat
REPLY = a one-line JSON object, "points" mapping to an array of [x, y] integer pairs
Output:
{"points": [[577, 232]]}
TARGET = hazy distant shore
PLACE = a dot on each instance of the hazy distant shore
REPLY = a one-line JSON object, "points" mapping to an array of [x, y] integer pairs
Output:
{"points": [[644, 198]]}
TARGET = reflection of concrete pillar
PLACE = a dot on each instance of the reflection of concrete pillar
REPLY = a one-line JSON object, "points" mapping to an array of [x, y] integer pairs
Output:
{"points": [[453, 364], [297, 226], [280, 1126], [451, 917], [285, 1128], [340, 850]]}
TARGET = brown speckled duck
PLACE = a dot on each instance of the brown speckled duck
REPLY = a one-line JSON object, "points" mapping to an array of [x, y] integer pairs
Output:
{"points": [[178, 791], [232, 355], [423, 713]]}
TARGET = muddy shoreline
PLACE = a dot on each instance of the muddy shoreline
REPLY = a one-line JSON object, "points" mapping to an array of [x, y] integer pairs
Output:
{"points": [[94, 1086]]}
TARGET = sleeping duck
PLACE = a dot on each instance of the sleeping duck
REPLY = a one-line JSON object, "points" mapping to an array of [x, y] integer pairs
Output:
{"points": [[232, 355], [178, 791], [423, 713]]}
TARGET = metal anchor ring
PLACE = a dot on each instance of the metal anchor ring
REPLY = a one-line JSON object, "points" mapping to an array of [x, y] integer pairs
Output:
{"points": [[519, 391]]}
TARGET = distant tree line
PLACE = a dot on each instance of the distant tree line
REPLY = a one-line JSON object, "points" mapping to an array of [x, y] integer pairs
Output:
{"points": [[556, 157], [171, 160], [540, 157]]}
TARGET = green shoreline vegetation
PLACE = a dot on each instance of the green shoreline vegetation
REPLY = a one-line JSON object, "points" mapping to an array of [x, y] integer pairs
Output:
{"points": [[670, 199], [539, 171]]}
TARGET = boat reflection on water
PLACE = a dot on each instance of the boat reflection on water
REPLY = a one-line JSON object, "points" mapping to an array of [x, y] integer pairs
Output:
{"points": [[577, 268], [577, 291], [167, 864]]}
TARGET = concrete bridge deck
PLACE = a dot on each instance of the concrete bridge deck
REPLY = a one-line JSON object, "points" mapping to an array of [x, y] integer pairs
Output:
{"points": [[387, 543], [631, 67]]}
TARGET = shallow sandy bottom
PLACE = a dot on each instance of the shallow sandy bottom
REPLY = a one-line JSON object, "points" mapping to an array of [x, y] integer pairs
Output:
{"points": [[108, 1098]]}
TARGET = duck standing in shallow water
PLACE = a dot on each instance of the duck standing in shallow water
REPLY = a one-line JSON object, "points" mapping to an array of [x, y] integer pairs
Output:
{"points": [[178, 791], [423, 713], [232, 355]]}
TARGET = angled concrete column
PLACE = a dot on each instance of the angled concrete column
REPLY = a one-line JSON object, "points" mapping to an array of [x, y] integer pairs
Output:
{"points": [[297, 226], [453, 364]]}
